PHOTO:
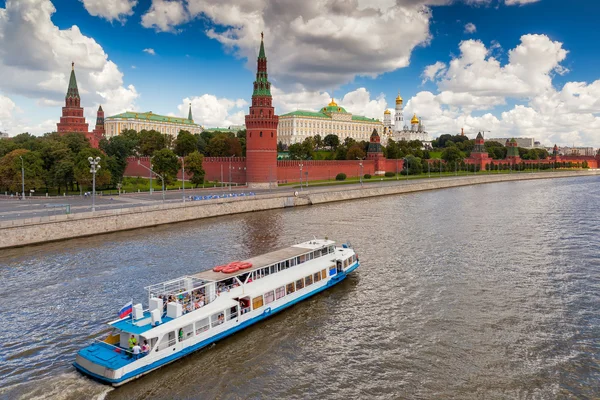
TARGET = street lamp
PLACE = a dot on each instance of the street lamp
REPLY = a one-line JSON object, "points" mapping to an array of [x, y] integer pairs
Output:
{"points": [[360, 164], [406, 165], [22, 178], [300, 165], [94, 167], [160, 176], [397, 168], [183, 176], [230, 171]]}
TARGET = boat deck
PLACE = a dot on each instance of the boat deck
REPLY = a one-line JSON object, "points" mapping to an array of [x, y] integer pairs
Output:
{"points": [[137, 327], [106, 355]]}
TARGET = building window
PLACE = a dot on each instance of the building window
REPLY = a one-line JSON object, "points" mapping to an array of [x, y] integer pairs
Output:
{"points": [[261, 134]]}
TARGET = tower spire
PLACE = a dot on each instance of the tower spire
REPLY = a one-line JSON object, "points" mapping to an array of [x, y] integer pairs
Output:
{"points": [[72, 91], [190, 113], [261, 52]]}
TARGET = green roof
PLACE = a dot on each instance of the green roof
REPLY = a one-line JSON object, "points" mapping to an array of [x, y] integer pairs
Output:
{"points": [[72, 91], [149, 116], [303, 113], [336, 108], [221, 130], [261, 52]]}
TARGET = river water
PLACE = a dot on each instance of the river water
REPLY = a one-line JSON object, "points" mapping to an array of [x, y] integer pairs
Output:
{"points": [[488, 291]]}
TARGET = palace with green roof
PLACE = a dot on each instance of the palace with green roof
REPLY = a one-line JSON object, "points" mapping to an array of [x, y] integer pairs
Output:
{"points": [[139, 121], [296, 126]]}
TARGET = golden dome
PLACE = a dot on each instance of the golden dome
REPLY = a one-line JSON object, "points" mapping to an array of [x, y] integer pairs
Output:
{"points": [[332, 104], [414, 120], [387, 112], [399, 99]]}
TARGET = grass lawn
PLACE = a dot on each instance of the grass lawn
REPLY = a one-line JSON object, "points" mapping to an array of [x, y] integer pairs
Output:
{"points": [[435, 155]]}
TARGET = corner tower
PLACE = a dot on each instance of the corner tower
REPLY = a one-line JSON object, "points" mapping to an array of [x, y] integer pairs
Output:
{"points": [[261, 130], [72, 119], [99, 129]]}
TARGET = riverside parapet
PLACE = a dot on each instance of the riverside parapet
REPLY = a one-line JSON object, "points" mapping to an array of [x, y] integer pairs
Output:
{"points": [[61, 227]]}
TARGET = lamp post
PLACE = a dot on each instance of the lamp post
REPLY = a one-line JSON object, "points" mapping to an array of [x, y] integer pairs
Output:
{"points": [[94, 167], [300, 165], [160, 176], [22, 178], [406, 165], [397, 169], [360, 164], [230, 171], [183, 176]]}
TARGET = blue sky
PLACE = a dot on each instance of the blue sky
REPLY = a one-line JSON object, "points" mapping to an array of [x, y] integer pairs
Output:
{"points": [[202, 48]]}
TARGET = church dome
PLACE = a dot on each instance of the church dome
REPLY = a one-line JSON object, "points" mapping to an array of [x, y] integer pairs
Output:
{"points": [[387, 112], [333, 107], [414, 120], [399, 99]]}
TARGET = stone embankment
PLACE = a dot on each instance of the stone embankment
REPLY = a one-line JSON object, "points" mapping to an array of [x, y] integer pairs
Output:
{"points": [[39, 230]]}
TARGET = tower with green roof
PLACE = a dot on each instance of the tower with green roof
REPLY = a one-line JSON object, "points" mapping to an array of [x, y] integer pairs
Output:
{"points": [[72, 119], [261, 130]]}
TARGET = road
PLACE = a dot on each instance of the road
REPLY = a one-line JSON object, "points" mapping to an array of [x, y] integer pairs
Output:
{"points": [[35, 207]]}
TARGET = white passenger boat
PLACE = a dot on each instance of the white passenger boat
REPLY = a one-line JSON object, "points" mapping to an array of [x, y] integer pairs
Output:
{"points": [[191, 312]]}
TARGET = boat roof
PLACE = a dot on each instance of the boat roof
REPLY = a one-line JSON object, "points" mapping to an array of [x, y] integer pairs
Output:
{"points": [[267, 259]]}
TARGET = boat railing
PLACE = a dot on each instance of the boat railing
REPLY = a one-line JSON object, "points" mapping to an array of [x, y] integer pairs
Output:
{"points": [[117, 349], [162, 346]]}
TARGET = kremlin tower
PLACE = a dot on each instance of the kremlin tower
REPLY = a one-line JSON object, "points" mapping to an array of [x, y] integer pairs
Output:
{"points": [[399, 117], [72, 119], [99, 129], [261, 130]]}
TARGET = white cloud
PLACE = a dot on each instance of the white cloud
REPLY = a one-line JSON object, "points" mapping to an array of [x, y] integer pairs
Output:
{"points": [[519, 2], [150, 51], [165, 15], [433, 71], [470, 28], [7, 107], [111, 10], [35, 60], [210, 111], [477, 81]]}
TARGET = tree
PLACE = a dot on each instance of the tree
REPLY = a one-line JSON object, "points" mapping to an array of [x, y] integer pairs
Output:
{"points": [[75, 141], [332, 141], [185, 144], [222, 145], [118, 148], [151, 141], [318, 141], [392, 149], [81, 169], [10, 170], [166, 163], [200, 143], [349, 142], [452, 154], [193, 164], [354, 152]]}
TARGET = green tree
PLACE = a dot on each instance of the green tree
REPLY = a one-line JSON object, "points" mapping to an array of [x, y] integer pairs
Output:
{"points": [[354, 152], [318, 142], [81, 169], [151, 141], [10, 170], [193, 165], [332, 141], [222, 145], [185, 144], [166, 163], [75, 141], [452, 154], [118, 148]]}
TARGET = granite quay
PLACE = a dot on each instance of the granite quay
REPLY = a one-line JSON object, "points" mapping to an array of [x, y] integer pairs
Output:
{"points": [[25, 232]]}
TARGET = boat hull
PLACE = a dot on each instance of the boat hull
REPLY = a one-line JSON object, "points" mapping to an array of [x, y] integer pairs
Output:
{"points": [[80, 364]]}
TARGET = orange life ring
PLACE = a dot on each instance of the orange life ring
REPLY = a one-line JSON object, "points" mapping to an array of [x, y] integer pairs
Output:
{"points": [[245, 265], [230, 269], [219, 268]]}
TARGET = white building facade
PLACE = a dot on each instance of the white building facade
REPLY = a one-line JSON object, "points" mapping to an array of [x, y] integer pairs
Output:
{"points": [[298, 125], [399, 131], [149, 121]]}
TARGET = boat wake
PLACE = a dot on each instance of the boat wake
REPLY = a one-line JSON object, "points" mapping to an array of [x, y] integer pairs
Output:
{"points": [[66, 386]]}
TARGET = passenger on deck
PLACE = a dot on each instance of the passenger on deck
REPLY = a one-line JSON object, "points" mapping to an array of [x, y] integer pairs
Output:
{"points": [[221, 319], [145, 348], [132, 342], [136, 351]]}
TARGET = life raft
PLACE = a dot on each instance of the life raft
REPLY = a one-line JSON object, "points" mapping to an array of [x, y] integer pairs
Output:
{"points": [[245, 265], [219, 268], [230, 269]]}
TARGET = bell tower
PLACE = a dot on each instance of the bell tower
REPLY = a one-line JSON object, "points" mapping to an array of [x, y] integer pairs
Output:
{"points": [[261, 130]]}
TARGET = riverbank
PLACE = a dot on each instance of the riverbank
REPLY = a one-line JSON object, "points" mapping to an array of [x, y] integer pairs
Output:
{"points": [[26, 232]]}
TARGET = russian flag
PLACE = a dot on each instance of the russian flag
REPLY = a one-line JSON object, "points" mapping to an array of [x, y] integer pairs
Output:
{"points": [[126, 310]]}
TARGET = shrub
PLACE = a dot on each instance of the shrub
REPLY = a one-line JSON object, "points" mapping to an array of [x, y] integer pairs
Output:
{"points": [[367, 176], [389, 174], [340, 177]]}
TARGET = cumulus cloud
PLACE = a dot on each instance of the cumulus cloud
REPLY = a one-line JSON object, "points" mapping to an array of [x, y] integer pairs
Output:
{"points": [[477, 81], [210, 111], [519, 2], [110, 10], [165, 15], [150, 51], [433, 71], [36, 56], [470, 28]]}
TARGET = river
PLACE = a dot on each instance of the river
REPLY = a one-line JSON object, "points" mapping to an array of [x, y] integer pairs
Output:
{"points": [[488, 291]]}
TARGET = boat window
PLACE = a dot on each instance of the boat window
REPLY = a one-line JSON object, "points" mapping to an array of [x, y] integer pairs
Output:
{"points": [[302, 259], [186, 332], [323, 274], [292, 262], [317, 276], [279, 292], [273, 269], [289, 288], [299, 284], [308, 280], [309, 256], [232, 313], [331, 249], [266, 271], [217, 319], [257, 302], [332, 271], [345, 263], [287, 263], [202, 326], [317, 254], [269, 297], [167, 341]]}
